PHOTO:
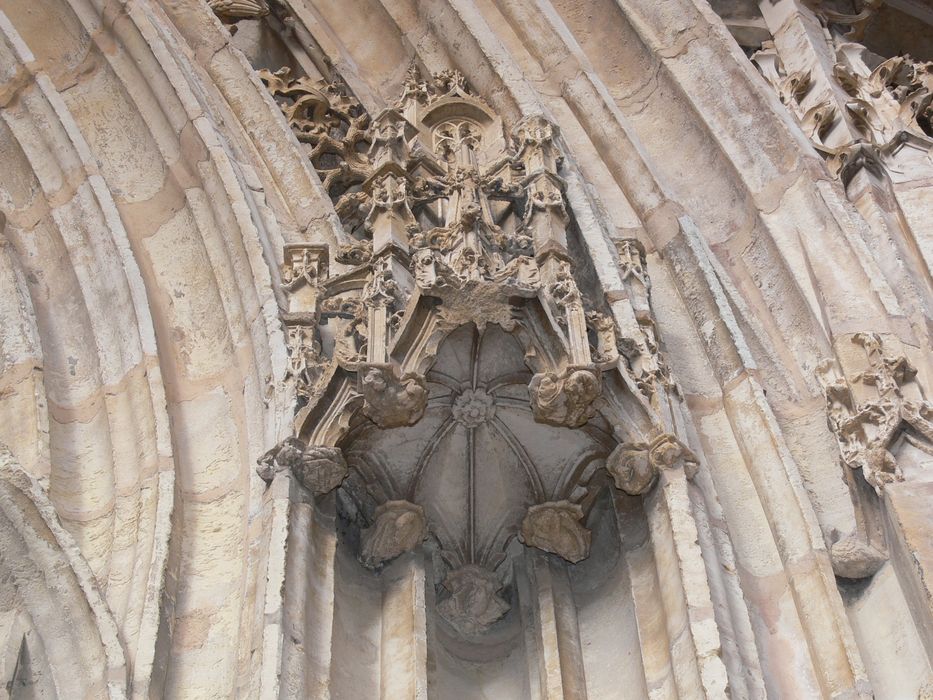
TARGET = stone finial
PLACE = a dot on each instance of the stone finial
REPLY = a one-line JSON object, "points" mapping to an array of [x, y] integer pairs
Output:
{"points": [[398, 527], [564, 399], [634, 466], [474, 603], [556, 527], [319, 469], [392, 400]]}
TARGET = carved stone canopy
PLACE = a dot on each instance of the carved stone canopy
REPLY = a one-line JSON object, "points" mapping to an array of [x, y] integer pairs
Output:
{"points": [[478, 460], [474, 387]]}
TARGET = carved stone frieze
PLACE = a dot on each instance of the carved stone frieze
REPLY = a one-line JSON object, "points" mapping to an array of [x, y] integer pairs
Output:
{"points": [[565, 398], [398, 527], [474, 602], [391, 400], [635, 466], [557, 527], [319, 469]]}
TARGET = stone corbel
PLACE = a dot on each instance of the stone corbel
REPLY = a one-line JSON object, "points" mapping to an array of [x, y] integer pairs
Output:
{"points": [[317, 468], [474, 603], [565, 398], [557, 527], [391, 399], [398, 527], [635, 466]]}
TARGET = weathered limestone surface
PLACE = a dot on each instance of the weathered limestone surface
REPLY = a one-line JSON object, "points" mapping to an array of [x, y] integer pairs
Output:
{"points": [[466, 349]]}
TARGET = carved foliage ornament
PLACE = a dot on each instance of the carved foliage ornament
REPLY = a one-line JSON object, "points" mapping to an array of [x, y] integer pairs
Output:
{"points": [[564, 399], [392, 400]]}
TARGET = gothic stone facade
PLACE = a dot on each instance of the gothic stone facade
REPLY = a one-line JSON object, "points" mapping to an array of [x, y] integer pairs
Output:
{"points": [[462, 349]]}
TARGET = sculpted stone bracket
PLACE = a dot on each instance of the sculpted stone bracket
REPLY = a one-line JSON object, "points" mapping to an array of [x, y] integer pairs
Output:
{"points": [[557, 528], [391, 399], [398, 527], [565, 398], [635, 466], [318, 469]]}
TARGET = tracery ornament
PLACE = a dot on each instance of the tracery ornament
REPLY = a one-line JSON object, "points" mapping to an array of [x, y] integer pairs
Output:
{"points": [[866, 428]]}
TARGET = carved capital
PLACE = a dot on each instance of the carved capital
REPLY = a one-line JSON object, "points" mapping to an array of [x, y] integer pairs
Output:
{"points": [[398, 527], [564, 399], [557, 528], [391, 400], [634, 466]]}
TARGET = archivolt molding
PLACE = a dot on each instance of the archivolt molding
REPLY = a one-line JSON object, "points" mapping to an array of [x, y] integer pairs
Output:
{"points": [[75, 643]]}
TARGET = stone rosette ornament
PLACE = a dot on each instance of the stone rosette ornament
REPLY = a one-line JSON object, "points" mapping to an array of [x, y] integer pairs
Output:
{"points": [[398, 527], [634, 466], [473, 407], [474, 603], [319, 469], [557, 527]]}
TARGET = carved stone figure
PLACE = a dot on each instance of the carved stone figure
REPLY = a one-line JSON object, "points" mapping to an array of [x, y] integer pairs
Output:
{"points": [[474, 602], [564, 399], [557, 528], [635, 466], [398, 527], [392, 400]]}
